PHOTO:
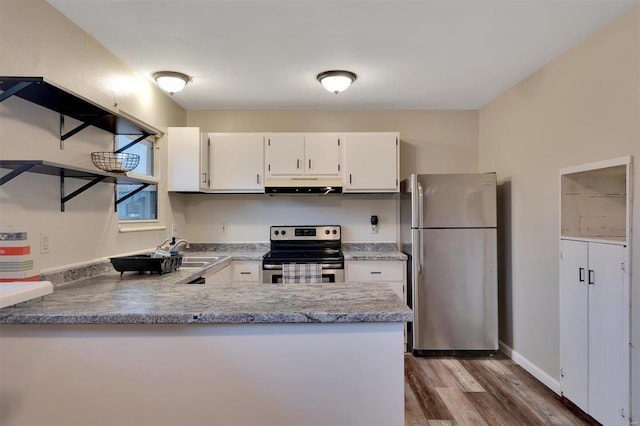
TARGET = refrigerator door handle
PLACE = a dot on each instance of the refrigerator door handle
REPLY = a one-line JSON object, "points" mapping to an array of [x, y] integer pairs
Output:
{"points": [[420, 252], [420, 205]]}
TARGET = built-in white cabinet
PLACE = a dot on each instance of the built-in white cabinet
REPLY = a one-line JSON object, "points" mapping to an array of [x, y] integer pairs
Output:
{"points": [[297, 154], [188, 165], [371, 162], [236, 162], [362, 162], [595, 236]]}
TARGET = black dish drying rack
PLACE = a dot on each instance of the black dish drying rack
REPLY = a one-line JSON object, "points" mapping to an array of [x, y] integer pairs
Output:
{"points": [[145, 263]]}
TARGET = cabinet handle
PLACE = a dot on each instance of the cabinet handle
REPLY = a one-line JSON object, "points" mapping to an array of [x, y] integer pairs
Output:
{"points": [[375, 273], [245, 273], [309, 163], [258, 178], [581, 275], [591, 277], [204, 177], [298, 163], [350, 180]]}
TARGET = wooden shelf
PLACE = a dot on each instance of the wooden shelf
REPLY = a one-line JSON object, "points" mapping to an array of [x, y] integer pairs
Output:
{"points": [[48, 95], [94, 177]]}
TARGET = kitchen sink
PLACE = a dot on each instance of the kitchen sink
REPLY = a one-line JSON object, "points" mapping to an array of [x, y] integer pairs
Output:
{"points": [[199, 261]]}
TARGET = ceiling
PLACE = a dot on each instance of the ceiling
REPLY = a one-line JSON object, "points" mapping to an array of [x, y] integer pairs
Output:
{"points": [[265, 54]]}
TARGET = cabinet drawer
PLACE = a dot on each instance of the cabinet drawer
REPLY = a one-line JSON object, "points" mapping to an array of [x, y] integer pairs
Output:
{"points": [[367, 271], [246, 271]]}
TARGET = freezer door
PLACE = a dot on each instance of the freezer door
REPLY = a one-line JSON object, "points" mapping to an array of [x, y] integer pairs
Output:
{"points": [[455, 290], [457, 200]]}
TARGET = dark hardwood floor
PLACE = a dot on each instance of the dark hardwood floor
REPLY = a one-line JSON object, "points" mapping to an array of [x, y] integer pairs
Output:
{"points": [[479, 391]]}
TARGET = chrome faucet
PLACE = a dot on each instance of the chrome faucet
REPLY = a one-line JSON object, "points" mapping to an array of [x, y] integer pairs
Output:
{"points": [[171, 244], [175, 243]]}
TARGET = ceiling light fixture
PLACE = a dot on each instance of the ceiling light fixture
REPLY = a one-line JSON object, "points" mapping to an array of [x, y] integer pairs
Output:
{"points": [[336, 81], [171, 81]]}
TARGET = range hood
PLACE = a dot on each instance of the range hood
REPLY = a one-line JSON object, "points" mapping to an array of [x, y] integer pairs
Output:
{"points": [[303, 186]]}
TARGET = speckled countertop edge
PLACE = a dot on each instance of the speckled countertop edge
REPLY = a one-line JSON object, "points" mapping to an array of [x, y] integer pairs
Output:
{"points": [[168, 299]]}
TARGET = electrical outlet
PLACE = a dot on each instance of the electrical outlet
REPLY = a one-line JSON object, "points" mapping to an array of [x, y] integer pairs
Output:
{"points": [[174, 230], [223, 228], [44, 243]]}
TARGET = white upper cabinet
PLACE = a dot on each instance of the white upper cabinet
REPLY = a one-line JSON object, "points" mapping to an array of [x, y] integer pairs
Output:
{"points": [[323, 154], [371, 162], [188, 151], [298, 154], [236, 162], [284, 154]]}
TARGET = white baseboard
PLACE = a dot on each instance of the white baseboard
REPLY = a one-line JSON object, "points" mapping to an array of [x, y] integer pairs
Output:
{"points": [[533, 369]]}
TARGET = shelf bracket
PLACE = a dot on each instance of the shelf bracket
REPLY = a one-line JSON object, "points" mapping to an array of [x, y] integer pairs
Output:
{"points": [[15, 89], [65, 136], [15, 172], [129, 145], [131, 194], [65, 198]]}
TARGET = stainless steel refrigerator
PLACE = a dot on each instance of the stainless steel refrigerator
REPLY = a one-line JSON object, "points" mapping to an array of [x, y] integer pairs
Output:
{"points": [[449, 231]]}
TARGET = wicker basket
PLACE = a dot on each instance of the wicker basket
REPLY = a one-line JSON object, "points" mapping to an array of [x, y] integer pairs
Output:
{"points": [[115, 162]]}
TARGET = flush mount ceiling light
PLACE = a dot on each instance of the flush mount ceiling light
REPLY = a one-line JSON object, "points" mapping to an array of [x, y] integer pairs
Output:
{"points": [[171, 81], [336, 81]]}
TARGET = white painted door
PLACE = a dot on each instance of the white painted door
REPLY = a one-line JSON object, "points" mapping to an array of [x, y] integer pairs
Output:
{"points": [[284, 154], [237, 162], [323, 154], [371, 162], [608, 344], [574, 347]]}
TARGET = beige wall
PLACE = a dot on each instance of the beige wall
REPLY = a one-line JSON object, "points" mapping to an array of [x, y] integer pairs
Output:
{"points": [[582, 107], [36, 40]]}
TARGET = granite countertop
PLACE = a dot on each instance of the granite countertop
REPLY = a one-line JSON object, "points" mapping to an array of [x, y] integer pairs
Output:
{"points": [[168, 299], [374, 255]]}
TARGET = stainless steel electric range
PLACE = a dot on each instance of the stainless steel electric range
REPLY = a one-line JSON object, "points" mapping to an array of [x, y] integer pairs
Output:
{"points": [[304, 244]]}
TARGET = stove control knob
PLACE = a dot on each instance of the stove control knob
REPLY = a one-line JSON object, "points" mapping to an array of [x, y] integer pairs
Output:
{"points": [[276, 232], [284, 232], [327, 232], [335, 232]]}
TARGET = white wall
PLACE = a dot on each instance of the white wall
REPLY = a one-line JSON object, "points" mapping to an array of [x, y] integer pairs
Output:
{"points": [[582, 107], [431, 142], [39, 41], [248, 217]]}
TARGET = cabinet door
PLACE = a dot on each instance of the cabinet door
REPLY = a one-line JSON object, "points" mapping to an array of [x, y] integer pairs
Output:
{"points": [[371, 162], [323, 154], [246, 271], [205, 178], [608, 338], [574, 348], [284, 154], [185, 171], [237, 161]]}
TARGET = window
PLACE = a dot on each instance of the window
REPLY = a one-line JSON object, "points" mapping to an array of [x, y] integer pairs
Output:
{"points": [[144, 204]]}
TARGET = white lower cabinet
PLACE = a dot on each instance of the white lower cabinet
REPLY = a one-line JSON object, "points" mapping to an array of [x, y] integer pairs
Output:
{"points": [[594, 329], [387, 271], [391, 272], [246, 271]]}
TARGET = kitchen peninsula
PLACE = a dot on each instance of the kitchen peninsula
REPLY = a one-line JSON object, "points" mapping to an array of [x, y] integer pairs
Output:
{"points": [[151, 350]]}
